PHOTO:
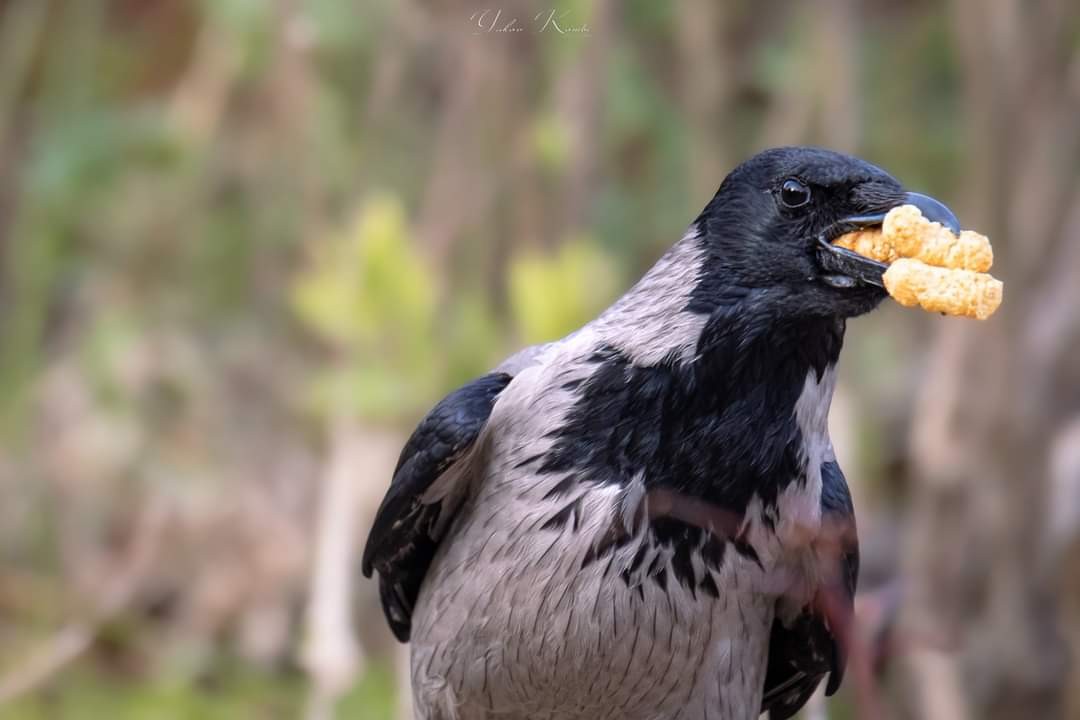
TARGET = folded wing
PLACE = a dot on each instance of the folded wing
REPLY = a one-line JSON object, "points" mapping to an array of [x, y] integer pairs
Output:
{"points": [[814, 644], [414, 514]]}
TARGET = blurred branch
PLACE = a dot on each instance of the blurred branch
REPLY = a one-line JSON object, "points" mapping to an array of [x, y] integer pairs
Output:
{"points": [[411, 28], [836, 74], [702, 25], [1054, 329], [791, 108], [446, 206], [975, 535], [939, 692], [198, 102], [1061, 543], [20, 29], [331, 654], [579, 96]]}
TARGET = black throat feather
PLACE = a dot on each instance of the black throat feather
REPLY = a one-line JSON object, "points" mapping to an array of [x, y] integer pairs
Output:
{"points": [[719, 427]]}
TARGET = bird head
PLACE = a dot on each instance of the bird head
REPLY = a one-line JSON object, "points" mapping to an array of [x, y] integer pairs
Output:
{"points": [[769, 229]]}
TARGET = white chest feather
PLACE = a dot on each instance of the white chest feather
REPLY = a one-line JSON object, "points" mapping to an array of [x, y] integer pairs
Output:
{"points": [[800, 504]]}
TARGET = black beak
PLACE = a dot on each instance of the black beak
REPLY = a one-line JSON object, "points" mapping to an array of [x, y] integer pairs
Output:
{"points": [[840, 263]]}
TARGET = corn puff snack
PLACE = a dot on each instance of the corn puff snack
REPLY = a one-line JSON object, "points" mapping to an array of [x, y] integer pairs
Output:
{"points": [[906, 233], [953, 291], [929, 266], [914, 236], [869, 243]]}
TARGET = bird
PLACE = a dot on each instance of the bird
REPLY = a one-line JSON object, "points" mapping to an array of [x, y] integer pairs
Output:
{"points": [[645, 519]]}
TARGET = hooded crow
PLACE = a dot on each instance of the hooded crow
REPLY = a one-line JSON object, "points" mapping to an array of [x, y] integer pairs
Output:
{"points": [[645, 519]]}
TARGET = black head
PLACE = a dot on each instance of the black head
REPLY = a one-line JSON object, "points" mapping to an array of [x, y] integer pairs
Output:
{"points": [[768, 231]]}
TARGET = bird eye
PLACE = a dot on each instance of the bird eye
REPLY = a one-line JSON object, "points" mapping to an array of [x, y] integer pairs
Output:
{"points": [[794, 194]]}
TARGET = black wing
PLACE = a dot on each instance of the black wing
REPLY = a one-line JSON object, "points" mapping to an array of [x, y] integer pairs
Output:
{"points": [[404, 537], [815, 644]]}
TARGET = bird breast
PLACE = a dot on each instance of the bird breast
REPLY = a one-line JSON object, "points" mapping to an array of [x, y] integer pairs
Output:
{"points": [[510, 623]]}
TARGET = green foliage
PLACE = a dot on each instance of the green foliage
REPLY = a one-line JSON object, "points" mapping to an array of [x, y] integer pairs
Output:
{"points": [[247, 25], [84, 696], [369, 284], [370, 295], [232, 693], [372, 698], [645, 193], [471, 337], [71, 170], [550, 143], [553, 295]]}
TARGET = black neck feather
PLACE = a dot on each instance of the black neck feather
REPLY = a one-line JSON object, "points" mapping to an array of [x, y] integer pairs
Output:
{"points": [[719, 427]]}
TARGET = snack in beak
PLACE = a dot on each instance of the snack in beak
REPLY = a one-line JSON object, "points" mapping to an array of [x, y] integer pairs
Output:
{"points": [[953, 291], [914, 236], [929, 266], [906, 233], [869, 243]]}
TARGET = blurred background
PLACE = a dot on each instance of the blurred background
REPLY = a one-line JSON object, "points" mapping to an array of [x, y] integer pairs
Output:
{"points": [[245, 244]]}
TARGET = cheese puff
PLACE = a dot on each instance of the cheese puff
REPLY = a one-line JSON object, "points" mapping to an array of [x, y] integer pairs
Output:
{"points": [[913, 236], [869, 243], [951, 291]]}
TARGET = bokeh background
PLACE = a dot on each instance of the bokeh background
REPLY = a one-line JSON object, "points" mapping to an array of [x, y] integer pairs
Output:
{"points": [[245, 244]]}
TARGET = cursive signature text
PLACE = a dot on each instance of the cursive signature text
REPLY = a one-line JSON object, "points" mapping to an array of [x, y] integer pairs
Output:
{"points": [[494, 20]]}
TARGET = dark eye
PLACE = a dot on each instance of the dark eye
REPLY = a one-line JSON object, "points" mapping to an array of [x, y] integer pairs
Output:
{"points": [[794, 194]]}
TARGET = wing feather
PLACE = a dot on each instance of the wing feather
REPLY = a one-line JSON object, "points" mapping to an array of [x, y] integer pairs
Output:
{"points": [[802, 652], [409, 523]]}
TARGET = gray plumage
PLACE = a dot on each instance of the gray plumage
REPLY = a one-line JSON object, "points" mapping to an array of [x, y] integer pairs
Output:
{"points": [[509, 626], [645, 519]]}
